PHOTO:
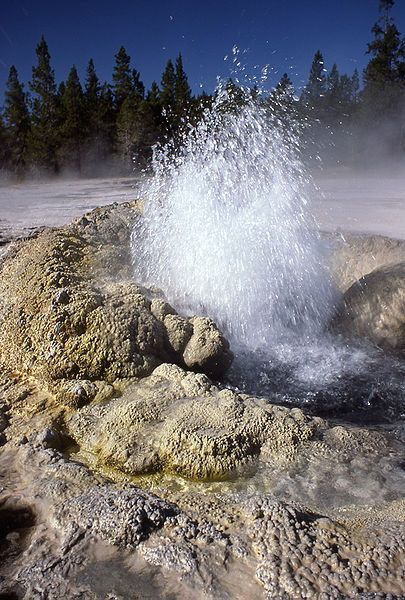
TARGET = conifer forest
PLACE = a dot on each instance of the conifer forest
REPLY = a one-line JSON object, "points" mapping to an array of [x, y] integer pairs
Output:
{"points": [[48, 127]]}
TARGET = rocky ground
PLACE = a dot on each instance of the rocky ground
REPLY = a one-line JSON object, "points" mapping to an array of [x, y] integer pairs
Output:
{"points": [[126, 469]]}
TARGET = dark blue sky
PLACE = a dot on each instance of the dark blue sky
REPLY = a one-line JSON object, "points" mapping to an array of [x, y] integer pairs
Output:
{"points": [[282, 33]]}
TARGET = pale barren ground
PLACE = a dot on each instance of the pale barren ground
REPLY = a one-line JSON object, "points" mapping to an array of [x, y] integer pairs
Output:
{"points": [[30, 205], [345, 201], [369, 202]]}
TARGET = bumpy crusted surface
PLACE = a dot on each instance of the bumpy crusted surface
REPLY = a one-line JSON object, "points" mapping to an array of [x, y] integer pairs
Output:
{"points": [[179, 422], [374, 308], [301, 555], [121, 517], [61, 324], [65, 519], [62, 525]]}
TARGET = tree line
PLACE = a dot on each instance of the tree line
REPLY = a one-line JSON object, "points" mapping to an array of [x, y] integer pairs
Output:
{"points": [[52, 127], [72, 127], [350, 122]]}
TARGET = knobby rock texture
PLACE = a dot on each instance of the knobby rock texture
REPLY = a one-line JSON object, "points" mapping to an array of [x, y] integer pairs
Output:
{"points": [[71, 317]]}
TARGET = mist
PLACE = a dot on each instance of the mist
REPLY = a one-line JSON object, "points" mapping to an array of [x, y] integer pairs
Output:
{"points": [[367, 199], [93, 164], [56, 201]]}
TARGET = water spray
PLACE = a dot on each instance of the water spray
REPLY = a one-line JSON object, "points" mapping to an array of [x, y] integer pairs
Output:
{"points": [[226, 231]]}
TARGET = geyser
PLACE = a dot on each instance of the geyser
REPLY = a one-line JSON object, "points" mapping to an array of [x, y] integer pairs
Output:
{"points": [[226, 231]]}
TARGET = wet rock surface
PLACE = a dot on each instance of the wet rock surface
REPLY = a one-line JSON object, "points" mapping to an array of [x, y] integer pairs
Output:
{"points": [[374, 308], [354, 256], [211, 546], [124, 475]]}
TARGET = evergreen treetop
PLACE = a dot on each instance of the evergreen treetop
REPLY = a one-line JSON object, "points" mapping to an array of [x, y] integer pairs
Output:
{"points": [[153, 95], [333, 81], [355, 85], [284, 90], [44, 114], [15, 107], [316, 86], [182, 88], [73, 93], [72, 127], [168, 86], [43, 77], [122, 77], [387, 50], [17, 120], [106, 120], [92, 83]]}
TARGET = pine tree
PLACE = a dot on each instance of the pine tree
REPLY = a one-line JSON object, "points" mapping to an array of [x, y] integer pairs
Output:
{"points": [[137, 130], [147, 132], [17, 121], [182, 91], [155, 104], [4, 147], [72, 128], [381, 110], [387, 49], [91, 100], [235, 97], [126, 125], [333, 82], [355, 80], [347, 94], [385, 7], [284, 90], [140, 124], [333, 101], [137, 84], [281, 101], [168, 87], [201, 103], [167, 95], [122, 77], [383, 96], [100, 117], [106, 136], [315, 90], [153, 95], [44, 115], [91, 87], [155, 117]]}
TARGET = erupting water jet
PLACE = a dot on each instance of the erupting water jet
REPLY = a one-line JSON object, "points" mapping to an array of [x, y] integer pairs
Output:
{"points": [[226, 231]]}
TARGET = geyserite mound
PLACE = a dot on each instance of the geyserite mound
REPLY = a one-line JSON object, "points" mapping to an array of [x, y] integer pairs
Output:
{"points": [[70, 318], [179, 422]]}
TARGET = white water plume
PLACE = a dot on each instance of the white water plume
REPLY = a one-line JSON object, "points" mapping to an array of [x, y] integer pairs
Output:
{"points": [[226, 231]]}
